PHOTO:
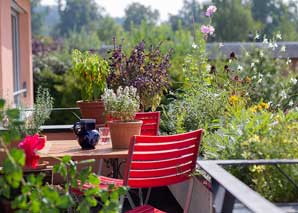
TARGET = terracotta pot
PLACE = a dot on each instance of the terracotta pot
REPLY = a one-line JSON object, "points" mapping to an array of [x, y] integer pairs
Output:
{"points": [[121, 132], [93, 109]]}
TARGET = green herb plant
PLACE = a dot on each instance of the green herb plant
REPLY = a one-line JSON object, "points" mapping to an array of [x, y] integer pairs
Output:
{"points": [[91, 73], [123, 104], [41, 112]]}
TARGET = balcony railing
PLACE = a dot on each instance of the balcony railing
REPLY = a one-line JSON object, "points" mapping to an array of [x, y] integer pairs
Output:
{"points": [[227, 189]]}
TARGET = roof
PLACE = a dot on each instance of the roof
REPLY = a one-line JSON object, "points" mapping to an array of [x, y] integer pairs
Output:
{"points": [[223, 50]]}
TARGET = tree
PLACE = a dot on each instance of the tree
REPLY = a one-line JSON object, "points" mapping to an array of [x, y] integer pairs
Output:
{"points": [[276, 15], [78, 14], [38, 14], [190, 13], [107, 29], [233, 20], [135, 13]]}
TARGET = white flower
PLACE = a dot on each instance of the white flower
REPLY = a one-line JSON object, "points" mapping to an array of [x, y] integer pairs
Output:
{"points": [[257, 36], [291, 103], [293, 80], [240, 68], [270, 45], [288, 61], [252, 64], [259, 81], [208, 67], [278, 36], [283, 94], [254, 77], [194, 46], [265, 40], [246, 54], [261, 53], [283, 48], [230, 61], [221, 45]]}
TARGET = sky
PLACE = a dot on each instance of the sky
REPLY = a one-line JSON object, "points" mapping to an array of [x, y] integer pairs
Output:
{"points": [[115, 8]]}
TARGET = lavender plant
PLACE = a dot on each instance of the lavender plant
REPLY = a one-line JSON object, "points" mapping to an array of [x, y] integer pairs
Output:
{"points": [[144, 69]]}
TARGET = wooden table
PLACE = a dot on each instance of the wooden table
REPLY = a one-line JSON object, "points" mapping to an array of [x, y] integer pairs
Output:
{"points": [[61, 148]]}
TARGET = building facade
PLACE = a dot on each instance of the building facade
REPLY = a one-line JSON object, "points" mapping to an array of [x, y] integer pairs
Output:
{"points": [[16, 77]]}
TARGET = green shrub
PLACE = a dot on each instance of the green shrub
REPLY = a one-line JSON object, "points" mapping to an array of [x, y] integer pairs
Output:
{"points": [[249, 134]]}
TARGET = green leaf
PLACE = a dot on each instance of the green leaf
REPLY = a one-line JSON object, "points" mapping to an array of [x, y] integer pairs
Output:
{"points": [[18, 155], [66, 159], [13, 113], [2, 103], [65, 201], [93, 179]]}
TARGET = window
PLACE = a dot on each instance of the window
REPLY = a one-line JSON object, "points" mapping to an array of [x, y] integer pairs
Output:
{"points": [[16, 55]]}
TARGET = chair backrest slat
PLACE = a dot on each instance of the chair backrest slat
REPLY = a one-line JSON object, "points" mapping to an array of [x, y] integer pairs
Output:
{"points": [[162, 163], [149, 173], [158, 146], [156, 182], [161, 160], [160, 155], [151, 122]]}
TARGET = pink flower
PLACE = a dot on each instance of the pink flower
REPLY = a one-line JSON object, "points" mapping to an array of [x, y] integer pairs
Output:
{"points": [[207, 29], [210, 10], [30, 144]]}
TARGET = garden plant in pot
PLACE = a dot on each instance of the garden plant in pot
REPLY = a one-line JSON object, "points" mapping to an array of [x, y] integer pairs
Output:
{"points": [[91, 73], [122, 107], [30, 130], [144, 69], [41, 111]]}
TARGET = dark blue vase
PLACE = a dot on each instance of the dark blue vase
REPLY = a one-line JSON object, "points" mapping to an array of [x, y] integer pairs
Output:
{"points": [[86, 133]]}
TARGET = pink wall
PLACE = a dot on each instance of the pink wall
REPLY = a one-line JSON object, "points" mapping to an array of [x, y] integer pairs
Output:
{"points": [[6, 62]]}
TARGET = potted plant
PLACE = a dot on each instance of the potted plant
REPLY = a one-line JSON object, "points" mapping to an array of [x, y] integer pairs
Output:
{"points": [[91, 73], [33, 120], [122, 107], [143, 69]]}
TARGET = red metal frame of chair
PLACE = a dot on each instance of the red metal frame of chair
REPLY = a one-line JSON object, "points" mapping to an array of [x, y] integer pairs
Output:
{"points": [[151, 122], [155, 161]]}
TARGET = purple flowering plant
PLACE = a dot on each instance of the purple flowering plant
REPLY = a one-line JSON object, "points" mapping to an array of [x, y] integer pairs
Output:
{"points": [[144, 69], [209, 29]]}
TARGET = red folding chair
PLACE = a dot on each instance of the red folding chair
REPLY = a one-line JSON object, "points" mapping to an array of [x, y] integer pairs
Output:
{"points": [[155, 161], [151, 122]]}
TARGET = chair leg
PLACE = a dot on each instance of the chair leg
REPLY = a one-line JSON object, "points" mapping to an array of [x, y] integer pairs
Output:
{"points": [[131, 203], [188, 197], [147, 196], [100, 166], [141, 197]]}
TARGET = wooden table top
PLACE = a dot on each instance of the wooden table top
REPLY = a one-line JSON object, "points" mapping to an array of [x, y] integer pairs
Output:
{"points": [[60, 148]]}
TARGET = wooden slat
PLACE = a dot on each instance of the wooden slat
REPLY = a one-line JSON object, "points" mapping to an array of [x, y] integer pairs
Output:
{"points": [[61, 148]]}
